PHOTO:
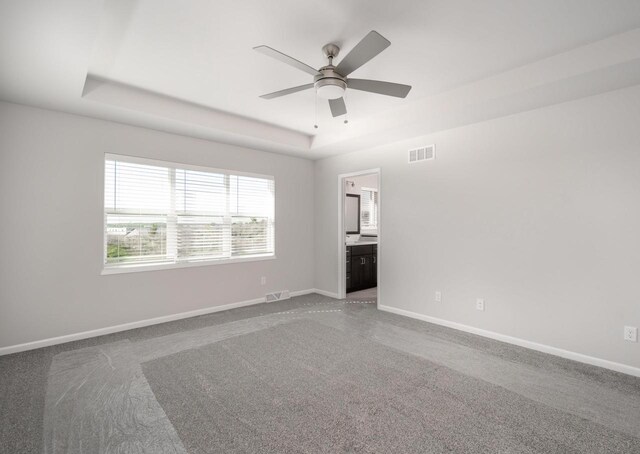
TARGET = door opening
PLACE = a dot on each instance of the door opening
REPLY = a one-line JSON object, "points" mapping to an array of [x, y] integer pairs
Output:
{"points": [[359, 236]]}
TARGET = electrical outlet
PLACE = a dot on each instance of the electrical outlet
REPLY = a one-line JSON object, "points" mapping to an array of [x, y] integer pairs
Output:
{"points": [[631, 333], [438, 297], [480, 304], [263, 280]]}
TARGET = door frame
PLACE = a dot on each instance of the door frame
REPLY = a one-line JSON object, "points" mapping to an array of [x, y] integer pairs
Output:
{"points": [[342, 236]]}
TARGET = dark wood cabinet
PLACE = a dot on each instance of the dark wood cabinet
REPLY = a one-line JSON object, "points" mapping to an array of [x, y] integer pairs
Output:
{"points": [[361, 267], [348, 268], [374, 268]]}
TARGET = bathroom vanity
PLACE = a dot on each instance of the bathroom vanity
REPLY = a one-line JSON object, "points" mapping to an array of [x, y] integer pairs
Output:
{"points": [[361, 266]]}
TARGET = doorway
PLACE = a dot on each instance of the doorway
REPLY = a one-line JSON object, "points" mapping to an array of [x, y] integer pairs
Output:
{"points": [[359, 236]]}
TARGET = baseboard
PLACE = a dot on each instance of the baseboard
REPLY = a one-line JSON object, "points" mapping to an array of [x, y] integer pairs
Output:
{"points": [[618, 367], [325, 293], [138, 324], [302, 292]]}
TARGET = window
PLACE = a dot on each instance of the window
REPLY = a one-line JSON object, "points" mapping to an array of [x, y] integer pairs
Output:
{"points": [[369, 209], [159, 213]]}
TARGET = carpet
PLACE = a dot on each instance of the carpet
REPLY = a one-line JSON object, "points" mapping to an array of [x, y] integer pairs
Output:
{"points": [[303, 387]]}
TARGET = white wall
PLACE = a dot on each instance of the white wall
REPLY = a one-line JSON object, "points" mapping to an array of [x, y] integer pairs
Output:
{"points": [[538, 213], [51, 190]]}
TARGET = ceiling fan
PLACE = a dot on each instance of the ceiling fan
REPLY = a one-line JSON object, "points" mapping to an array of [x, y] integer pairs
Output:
{"points": [[331, 81]]}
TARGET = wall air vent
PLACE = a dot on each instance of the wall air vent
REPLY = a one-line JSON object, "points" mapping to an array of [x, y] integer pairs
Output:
{"points": [[425, 153], [276, 296]]}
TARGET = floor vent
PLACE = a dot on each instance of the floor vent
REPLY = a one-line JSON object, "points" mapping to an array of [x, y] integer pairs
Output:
{"points": [[276, 296], [425, 153]]}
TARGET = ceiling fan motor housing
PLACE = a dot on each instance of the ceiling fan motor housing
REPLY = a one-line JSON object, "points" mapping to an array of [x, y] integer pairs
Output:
{"points": [[329, 84]]}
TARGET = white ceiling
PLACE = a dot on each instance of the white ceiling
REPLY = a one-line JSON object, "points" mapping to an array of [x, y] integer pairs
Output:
{"points": [[199, 76]]}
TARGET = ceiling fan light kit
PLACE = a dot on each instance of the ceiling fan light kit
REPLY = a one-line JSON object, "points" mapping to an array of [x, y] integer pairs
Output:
{"points": [[331, 82], [330, 88]]}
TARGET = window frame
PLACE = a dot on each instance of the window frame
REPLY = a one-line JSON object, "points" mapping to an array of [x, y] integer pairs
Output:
{"points": [[132, 267]]}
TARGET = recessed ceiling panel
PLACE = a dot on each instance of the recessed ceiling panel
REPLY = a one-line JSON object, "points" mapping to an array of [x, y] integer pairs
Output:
{"points": [[201, 51]]}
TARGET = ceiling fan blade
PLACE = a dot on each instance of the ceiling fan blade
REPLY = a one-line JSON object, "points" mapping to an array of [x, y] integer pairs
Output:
{"points": [[370, 46], [288, 91], [338, 107], [266, 50], [380, 87]]}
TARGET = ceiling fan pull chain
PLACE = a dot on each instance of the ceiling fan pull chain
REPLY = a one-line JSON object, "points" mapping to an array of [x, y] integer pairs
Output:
{"points": [[315, 97], [346, 114]]}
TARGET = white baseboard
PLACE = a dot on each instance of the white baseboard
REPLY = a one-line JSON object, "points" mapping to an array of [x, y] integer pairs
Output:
{"points": [[138, 324], [618, 367], [302, 292], [325, 293]]}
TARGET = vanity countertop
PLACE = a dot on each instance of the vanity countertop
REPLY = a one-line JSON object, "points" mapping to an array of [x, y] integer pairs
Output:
{"points": [[361, 243]]}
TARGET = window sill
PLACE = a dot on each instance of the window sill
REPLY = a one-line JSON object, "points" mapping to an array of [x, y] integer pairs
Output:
{"points": [[137, 268]]}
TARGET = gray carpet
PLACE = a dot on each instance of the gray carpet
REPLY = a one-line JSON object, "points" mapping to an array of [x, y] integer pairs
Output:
{"points": [[304, 387], [309, 374]]}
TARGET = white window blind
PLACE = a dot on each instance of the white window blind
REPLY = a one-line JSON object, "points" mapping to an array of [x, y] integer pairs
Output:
{"points": [[164, 213], [369, 209]]}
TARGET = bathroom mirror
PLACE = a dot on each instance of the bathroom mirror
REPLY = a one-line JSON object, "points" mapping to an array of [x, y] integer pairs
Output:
{"points": [[352, 214]]}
